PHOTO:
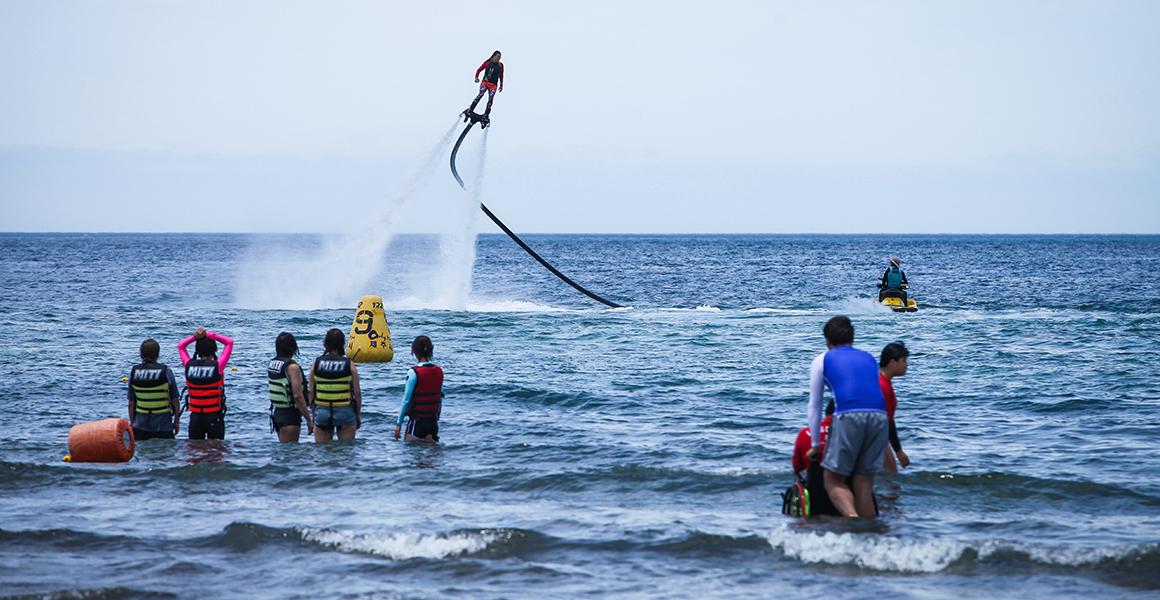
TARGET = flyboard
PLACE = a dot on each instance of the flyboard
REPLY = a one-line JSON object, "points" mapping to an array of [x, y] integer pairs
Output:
{"points": [[471, 118]]}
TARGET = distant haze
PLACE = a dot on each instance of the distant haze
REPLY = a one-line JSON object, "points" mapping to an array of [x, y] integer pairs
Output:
{"points": [[617, 116]]}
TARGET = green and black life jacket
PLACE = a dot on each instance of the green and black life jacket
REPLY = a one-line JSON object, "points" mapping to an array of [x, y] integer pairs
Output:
{"points": [[150, 385], [278, 373], [332, 380]]}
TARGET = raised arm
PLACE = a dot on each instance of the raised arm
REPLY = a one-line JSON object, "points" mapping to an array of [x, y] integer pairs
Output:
{"points": [[181, 346], [228, 348]]}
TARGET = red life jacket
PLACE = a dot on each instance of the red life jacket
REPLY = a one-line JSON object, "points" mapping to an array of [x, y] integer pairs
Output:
{"points": [[427, 399], [207, 390]]}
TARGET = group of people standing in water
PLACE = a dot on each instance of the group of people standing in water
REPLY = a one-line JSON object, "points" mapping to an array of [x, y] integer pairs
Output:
{"points": [[329, 400], [837, 457]]}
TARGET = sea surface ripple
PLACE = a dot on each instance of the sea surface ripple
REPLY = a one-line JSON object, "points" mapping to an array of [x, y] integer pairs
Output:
{"points": [[635, 452]]}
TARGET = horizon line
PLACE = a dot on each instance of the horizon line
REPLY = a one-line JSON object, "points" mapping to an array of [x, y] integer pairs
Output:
{"points": [[625, 233]]}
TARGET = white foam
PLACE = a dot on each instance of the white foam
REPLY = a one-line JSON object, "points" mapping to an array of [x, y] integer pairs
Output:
{"points": [[869, 550], [858, 305], [473, 305], [1066, 556], [923, 555], [402, 546], [501, 306], [765, 310]]}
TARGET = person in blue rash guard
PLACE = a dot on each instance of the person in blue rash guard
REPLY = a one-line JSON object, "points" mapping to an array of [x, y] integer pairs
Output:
{"points": [[859, 431], [422, 396]]}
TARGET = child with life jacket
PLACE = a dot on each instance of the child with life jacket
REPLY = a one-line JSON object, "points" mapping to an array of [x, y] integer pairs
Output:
{"points": [[422, 395], [335, 391], [287, 384], [205, 382], [154, 406]]}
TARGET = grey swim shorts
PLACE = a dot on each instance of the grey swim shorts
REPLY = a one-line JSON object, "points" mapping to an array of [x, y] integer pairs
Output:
{"points": [[856, 443]]}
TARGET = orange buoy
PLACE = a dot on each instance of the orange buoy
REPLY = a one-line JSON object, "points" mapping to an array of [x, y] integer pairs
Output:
{"points": [[107, 440]]}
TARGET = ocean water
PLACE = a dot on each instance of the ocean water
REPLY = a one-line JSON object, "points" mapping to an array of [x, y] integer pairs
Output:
{"points": [[635, 453]]}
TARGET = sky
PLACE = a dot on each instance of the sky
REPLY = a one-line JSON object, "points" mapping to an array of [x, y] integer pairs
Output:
{"points": [[635, 117]]}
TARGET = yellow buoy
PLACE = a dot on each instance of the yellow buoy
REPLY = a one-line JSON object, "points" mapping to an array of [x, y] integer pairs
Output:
{"points": [[370, 337]]}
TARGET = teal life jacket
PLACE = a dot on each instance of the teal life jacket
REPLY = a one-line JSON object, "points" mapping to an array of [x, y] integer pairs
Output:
{"points": [[894, 278]]}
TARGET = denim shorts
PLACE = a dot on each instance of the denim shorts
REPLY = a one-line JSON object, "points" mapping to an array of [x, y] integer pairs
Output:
{"points": [[328, 417], [856, 443]]}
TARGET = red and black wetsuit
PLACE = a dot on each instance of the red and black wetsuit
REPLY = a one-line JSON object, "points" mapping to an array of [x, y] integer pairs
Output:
{"points": [[891, 406], [492, 77]]}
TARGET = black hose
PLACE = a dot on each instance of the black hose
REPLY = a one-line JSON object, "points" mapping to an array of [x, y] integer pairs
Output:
{"points": [[515, 238], [455, 151]]}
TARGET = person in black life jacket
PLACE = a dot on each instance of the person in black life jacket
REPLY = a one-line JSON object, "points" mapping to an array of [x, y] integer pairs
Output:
{"points": [[422, 396], [153, 398], [893, 281], [205, 383], [335, 392], [492, 70], [287, 391]]}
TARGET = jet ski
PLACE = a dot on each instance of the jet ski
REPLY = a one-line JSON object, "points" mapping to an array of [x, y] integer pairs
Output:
{"points": [[897, 300]]}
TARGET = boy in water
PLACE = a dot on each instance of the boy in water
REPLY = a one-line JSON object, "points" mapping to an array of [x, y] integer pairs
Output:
{"points": [[492, 70], [892, 363], [153, 397], [858, 434], [422, 396]]}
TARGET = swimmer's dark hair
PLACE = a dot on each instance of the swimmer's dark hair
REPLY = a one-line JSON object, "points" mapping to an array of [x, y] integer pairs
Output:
{"points": [[205, 347], [422, 347], [892, 352], [335, 341], [150, 350], [496, 52], [285, 344], [839, 331]]}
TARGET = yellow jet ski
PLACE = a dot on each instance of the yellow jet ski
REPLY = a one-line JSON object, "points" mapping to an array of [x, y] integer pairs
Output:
{"points": [[897, 300]]}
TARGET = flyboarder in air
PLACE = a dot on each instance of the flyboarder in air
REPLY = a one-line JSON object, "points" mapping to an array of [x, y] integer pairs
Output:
{"points": [[492, 70]]}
